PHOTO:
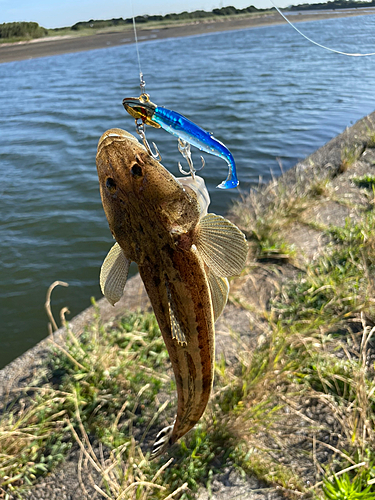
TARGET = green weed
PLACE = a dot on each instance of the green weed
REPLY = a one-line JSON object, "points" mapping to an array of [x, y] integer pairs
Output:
{"points": [[33, 439], [105, 381], [343, 488], [370, 135], [108, 369], [349, 155], [365, 181], [317, 352]]}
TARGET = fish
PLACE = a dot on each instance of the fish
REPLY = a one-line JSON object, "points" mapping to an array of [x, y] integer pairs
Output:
{"points": [[184, 129], [184, 256]]}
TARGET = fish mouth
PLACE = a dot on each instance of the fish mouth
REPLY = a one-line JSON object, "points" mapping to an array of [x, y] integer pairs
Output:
{"points": [[116, 135]]}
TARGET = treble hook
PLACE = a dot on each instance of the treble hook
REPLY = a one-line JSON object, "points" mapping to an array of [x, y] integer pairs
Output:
{"points": [[184, 149], [139, 125]]}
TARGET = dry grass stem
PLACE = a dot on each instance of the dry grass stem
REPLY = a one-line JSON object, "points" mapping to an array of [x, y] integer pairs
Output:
{"points": [[47, 304]]}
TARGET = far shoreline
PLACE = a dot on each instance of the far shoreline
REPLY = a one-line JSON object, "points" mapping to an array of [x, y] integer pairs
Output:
{"points": [[69, 44]]}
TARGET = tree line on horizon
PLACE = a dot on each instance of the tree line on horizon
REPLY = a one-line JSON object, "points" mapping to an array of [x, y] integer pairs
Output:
{"points": [[182, 16], [335, 4], [29, 30], [223, 11]]}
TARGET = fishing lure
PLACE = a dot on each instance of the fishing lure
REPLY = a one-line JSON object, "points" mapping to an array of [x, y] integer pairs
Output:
{"points": [[146, 112]]}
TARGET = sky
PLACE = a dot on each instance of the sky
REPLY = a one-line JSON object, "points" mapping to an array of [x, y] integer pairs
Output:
{"points": [[58, 13]]}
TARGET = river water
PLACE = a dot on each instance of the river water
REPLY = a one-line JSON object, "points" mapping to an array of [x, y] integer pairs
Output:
{"points": [[265, 92]]}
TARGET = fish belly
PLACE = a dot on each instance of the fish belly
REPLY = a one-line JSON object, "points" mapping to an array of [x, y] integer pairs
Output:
{"points": [[185, 285]]}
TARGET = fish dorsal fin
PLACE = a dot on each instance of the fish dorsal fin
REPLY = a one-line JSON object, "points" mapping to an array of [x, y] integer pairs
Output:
{"points": [[219, 288], [221, 245], [113, 274], [176, 330]]}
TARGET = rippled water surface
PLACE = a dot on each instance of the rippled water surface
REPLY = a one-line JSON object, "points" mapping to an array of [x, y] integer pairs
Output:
{"points": [[265, 92]]}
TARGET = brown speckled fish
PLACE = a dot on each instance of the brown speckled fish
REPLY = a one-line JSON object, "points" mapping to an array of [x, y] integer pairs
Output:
{"points": [[184, 256]]}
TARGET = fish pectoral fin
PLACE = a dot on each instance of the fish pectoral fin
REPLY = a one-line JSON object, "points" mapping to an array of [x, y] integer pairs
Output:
{"points": [[113, 274], [221, 245], [219, 288]]}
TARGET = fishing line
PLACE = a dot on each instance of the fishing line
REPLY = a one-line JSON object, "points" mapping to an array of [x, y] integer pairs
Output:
{"points": [[319, 44], [142, 82]]}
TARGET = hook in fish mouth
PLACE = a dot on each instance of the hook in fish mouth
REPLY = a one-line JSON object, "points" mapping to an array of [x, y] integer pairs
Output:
{"points": [[139, 125]]}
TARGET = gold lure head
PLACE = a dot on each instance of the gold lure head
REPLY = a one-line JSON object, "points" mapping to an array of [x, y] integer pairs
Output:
{"points": [[141, 108]]}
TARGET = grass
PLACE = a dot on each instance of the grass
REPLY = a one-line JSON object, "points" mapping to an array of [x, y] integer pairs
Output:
{"points": [[102, 390], [32, 440], [349, 155], [264, 229], [92, 385], [364, 181], [343, 488], [101, 372], [114, 379], [319, 339], [370, 135]]}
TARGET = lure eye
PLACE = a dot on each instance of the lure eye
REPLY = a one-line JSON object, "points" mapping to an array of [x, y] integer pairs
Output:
{"points": [[144, 98], [110, 184], [136, 170]]}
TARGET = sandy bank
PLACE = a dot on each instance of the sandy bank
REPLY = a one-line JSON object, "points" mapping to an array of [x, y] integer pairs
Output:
{"points": [[62, 45]]}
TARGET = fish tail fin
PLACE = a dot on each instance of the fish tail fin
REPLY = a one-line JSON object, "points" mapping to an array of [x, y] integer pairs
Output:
{"points": [[162, 442]]}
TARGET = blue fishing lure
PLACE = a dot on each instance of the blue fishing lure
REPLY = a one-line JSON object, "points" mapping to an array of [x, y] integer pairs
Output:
{"points": [[185, 130]]}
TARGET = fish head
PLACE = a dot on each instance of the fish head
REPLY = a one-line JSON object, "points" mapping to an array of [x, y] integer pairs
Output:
{"points": [[145, 205], [141, 108]]}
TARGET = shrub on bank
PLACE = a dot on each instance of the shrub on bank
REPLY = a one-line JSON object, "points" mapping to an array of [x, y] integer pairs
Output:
{"points": [[22, 30]]}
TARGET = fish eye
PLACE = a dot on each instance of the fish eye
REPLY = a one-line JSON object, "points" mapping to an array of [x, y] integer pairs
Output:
{"points": [[110, 184], [136, 170]]}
